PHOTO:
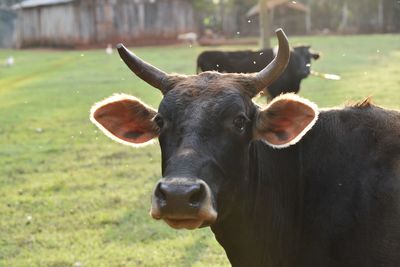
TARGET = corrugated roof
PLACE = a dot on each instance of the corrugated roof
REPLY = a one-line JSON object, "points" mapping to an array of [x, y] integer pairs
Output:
{"points": [[35, 3], [275, 3]]}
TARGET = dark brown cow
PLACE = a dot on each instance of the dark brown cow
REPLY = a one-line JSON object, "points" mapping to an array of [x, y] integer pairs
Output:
{"points": [[331, 197]]}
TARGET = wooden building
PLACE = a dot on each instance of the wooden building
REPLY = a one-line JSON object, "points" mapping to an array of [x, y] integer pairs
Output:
{"points": [[77, 23], [7, 28], [292, 16]]}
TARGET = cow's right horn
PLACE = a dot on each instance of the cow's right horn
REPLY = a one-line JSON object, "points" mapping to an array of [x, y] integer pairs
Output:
{"points": [[270, 73], [148, 73]]}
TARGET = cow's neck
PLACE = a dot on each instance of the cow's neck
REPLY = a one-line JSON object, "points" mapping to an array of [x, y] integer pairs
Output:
{"points": [[263, 227], [293, 86]]}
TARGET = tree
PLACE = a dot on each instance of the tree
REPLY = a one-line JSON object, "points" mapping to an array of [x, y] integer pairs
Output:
{"points": [[9, 3], [265, 25], [355, 16]]}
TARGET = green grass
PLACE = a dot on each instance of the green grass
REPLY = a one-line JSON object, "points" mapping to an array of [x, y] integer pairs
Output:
{"points": [[88, 197]]}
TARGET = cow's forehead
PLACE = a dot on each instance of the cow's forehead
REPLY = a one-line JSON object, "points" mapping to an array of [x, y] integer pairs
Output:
{"points": [[208, 91], [212, 82]]}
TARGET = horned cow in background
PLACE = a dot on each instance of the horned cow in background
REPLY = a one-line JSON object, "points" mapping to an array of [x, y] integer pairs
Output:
{"points": [[247, 61]]}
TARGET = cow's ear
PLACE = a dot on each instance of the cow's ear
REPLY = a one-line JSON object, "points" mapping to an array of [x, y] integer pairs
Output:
{"points": [[315, 55], [125, 119], [285, 120]]}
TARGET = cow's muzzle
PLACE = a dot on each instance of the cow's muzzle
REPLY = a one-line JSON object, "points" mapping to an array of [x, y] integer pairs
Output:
{"points": [[183, 203]]}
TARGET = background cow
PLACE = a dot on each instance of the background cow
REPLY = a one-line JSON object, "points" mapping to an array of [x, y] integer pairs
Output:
{"points": [[253, 61], [330, 199]]}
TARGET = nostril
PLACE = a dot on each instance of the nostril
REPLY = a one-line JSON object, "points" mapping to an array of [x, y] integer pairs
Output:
{"points": [[197, 195], [160, 193]]}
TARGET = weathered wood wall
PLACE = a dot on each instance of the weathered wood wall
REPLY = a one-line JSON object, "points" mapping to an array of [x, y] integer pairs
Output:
{"points": [[88, 22], [7, 28], [162, 18], [56, 25]]}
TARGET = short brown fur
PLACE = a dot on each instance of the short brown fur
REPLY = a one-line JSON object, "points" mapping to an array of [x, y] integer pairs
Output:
{"points": [[213, 82]]}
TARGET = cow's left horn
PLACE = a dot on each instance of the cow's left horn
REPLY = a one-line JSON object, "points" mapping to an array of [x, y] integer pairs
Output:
{"points": [[143, 70], [270, 73]]}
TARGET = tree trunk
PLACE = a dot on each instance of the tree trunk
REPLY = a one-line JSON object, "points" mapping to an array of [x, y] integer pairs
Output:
{"points": [[222, 16], [345, 17], [380, 16], [265, 32], [308, 18]]}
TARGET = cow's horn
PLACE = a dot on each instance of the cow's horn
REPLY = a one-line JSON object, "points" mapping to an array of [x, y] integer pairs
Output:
{"points": [[270, 73], [144, 70]]}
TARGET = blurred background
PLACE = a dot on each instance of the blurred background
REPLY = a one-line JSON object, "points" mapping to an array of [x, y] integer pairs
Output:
{"points": [[69, 196], [78, 23]]}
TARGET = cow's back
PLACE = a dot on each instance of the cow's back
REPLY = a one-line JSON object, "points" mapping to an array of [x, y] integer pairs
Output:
{"points": [[210, 60], [245, 61], [351, 172], [333, 199]]}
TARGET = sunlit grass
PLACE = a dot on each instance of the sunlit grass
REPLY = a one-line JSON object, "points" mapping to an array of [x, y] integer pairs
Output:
{"points": [[68, 195]]}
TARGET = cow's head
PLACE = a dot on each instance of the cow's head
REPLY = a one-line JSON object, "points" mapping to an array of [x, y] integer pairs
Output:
{"points": [[204, 124], [300, 60]]}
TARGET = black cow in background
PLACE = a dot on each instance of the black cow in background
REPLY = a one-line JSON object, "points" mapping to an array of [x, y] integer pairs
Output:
{"points": [[253, 61]]}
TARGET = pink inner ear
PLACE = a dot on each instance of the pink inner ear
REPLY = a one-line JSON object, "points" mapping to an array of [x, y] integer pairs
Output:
{"points": [[285, 121], [127, 120]]}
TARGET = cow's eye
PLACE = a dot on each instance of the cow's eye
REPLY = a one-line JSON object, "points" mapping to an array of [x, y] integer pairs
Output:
{"points": [[240, 122], [159, 121]]}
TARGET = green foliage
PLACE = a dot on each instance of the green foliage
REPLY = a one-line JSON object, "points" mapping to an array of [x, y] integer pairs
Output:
{"points": [[206, 6], [213, 12], [362, 15], [8, 3], [69, 195]]}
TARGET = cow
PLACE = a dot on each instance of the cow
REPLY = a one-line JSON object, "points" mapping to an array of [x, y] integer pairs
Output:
{"points": [[248, 61], [282, 185], [189, 37]]}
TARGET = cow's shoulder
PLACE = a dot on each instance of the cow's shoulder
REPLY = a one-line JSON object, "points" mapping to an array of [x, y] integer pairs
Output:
{"points": [[356, 142], [363, 115], [354, 149], [350, 163]]}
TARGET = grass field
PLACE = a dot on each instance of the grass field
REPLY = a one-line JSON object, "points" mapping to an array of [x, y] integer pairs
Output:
{"points": [[71, 197]]}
